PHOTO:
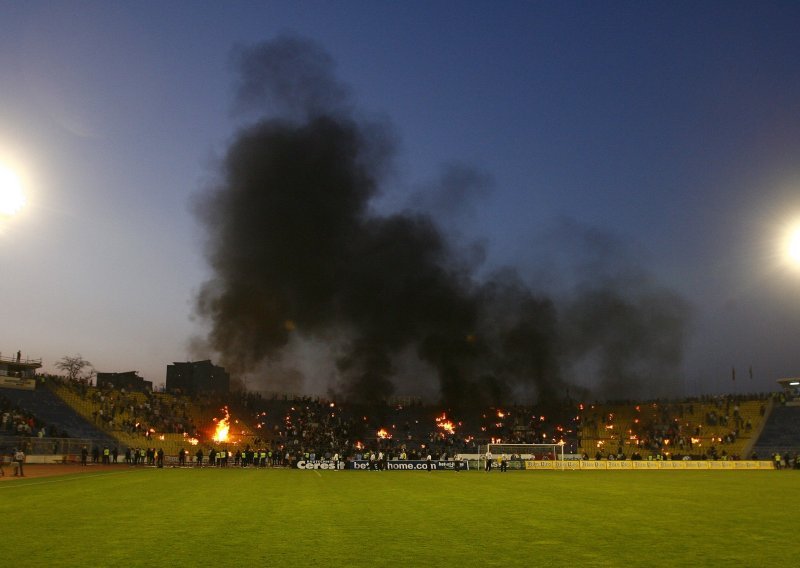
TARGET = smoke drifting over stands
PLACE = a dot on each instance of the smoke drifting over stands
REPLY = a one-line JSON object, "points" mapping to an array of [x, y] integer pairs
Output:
{"points": [[298, 255]]}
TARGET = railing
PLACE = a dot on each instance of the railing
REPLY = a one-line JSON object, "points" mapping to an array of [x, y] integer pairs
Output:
{"points": [[16, 359]]}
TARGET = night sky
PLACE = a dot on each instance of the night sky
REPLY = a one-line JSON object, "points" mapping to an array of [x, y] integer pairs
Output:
{"points": [[564, 145]]}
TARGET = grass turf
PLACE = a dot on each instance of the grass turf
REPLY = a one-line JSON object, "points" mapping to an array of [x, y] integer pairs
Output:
{"points": [[235, 517]]}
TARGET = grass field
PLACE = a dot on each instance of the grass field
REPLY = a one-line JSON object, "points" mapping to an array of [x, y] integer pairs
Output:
{"points": [[236, 517]]}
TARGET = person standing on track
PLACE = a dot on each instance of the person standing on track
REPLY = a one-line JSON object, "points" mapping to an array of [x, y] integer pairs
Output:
{"points": [[19, 460]]}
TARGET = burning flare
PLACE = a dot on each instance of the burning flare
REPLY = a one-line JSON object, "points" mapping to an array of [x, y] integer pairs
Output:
{"points": [[384, 435], [223, 426], [445, 424]]}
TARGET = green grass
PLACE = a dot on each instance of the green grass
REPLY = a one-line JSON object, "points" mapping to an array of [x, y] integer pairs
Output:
{"points": [[239, 517]]}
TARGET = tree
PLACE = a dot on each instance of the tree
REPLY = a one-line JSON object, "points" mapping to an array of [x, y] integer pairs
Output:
{"points": [[76, 368]]}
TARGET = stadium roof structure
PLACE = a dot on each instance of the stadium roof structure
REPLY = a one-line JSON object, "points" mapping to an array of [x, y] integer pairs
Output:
{"points": [[791, 387], [17, 366], [16, 372]]}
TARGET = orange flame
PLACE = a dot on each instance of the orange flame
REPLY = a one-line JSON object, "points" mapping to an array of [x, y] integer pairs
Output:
{"points": [[384, 435], [445, 424], [192, 441], [223, 426]]}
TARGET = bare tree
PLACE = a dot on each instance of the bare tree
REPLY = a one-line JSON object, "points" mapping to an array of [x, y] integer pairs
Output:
{"points": [[76, 368]]}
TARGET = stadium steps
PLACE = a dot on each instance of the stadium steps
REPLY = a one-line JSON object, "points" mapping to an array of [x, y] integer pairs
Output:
{"points": [[631, 419], [781, 432], [86, 406], [51, 409]]}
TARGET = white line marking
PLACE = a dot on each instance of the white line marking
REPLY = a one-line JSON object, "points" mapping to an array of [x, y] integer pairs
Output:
{"points": [[61, 479]]}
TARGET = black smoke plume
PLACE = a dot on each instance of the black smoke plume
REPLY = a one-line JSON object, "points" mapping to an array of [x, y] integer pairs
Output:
{"points": [[297, 252]]}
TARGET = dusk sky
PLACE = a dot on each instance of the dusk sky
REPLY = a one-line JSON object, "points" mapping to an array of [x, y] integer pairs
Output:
{"points": [[606, 138]]}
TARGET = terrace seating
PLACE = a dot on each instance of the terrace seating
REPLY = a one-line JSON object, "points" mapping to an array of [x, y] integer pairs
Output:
{"points": [[122, 426], [694, 428], [160, 420], [781, 432], [53, 410]]}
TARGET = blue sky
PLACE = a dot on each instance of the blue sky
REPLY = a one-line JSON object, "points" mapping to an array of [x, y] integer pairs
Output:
{"points": [[673, 129]]}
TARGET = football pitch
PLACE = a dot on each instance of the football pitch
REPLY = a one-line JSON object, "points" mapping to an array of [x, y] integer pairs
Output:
{"points": [[235, 517]]}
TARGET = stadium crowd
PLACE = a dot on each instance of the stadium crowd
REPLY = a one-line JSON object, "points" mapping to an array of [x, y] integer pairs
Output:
{"points": [[316, 426], [141, 412], [281, 430], [18, 421]]}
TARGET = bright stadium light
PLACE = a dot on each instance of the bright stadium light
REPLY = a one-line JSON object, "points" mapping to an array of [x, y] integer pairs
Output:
{"points": [[12, 198], [785, 246], [793, 245]]}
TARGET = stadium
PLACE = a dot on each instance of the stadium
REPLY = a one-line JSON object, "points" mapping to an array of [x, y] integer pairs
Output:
{"points": [[143, 476], [441, 283]]}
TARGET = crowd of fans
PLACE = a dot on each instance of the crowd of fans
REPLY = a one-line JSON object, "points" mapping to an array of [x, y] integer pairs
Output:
{"points": [[17, 421], [702, 428], [325, 427], [279, 431], [142, 413]]}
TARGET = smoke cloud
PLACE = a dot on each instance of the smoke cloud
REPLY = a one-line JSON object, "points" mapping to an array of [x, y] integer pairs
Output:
{"points": [[299, 258]]}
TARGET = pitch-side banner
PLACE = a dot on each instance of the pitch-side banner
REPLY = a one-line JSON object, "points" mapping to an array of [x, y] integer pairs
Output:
{"points": [[551, 464], [319, 464], [409, 465], [646, 464]]}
